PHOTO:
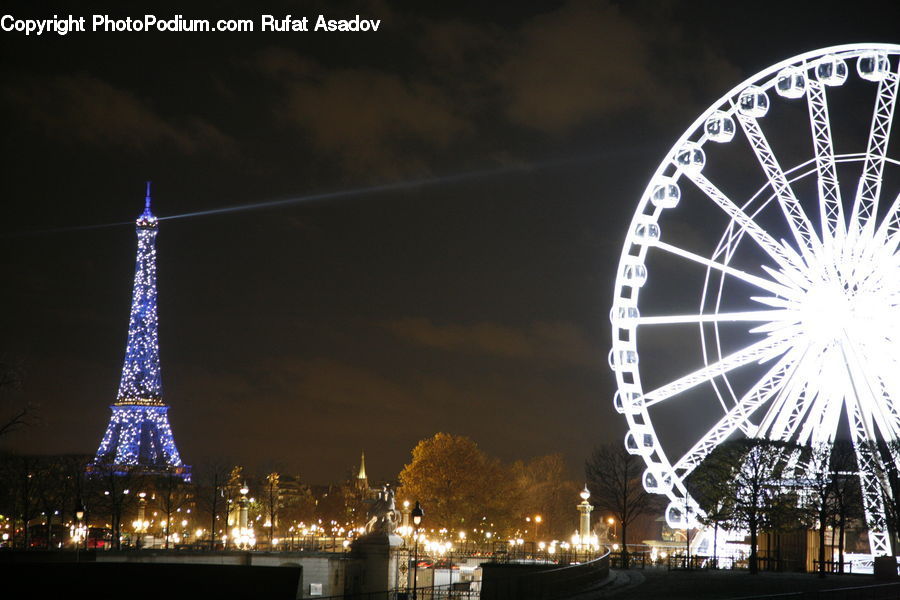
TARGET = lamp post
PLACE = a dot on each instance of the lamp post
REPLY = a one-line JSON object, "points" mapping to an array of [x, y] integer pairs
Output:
{"points": [[140, 524], [243, 534], [406, 511], [79, 516], [417, 514], [537, 528], [584, 510], [612, 523]]}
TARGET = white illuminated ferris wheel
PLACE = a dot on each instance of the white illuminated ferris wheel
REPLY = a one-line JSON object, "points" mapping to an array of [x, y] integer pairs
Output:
{"points": [[794, 257]]}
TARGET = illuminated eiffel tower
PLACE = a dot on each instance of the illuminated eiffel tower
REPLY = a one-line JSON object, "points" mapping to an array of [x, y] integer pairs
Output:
{"points": [[138, 437]]}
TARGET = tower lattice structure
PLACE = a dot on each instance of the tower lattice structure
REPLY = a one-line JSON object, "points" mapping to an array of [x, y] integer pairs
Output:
{"points": [[139, 437]]}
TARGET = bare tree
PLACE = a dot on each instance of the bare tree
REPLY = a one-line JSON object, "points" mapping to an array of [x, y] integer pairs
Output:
{"points": [[272, 502], [614, 480], [847, 492], [110, 490], [544, 489], [172, 494], [22, 499], [749, 474], [15, 415], [211, 480], [705, 485], [887, 474], [31, 486], [819, 488]]}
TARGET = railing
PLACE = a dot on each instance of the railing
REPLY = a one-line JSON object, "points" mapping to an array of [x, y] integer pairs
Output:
{"points": [[739, 561], [457, 591], [637, 559], [833, 566]]}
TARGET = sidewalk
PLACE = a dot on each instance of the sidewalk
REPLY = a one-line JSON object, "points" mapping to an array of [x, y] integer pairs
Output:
{"points": [[661, 584]]}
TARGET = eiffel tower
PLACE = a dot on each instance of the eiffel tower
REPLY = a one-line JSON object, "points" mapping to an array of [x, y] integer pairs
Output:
{"points": [[139, 437]]}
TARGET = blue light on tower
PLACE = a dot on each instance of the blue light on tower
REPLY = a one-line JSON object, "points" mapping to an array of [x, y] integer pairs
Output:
{"points": [[139, 435]]}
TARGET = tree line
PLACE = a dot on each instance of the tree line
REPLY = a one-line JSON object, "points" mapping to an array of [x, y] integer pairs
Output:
{"points": [[754, 485], [776, 487]]}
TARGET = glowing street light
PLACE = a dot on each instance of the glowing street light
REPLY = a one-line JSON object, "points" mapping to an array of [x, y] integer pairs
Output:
{"points": [[417, 515], [405, 512], [584, 510], [80, 529]]}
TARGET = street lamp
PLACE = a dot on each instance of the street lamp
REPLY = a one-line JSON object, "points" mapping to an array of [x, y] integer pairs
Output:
{"points": [[417, 514], [243, 534], [584, 510], [537, 526], [612, 523], [141, 524], [79, 516], [405, 512]]}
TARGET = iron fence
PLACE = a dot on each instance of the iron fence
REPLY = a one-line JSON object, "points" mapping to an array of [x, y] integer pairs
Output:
{"points": [[456, 591]]}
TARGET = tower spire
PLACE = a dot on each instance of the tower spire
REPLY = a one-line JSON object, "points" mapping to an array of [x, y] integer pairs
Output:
{"points": [[362, 467], [146, 218], [138, 434]]}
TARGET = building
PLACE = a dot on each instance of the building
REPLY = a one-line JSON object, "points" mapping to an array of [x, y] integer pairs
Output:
{"points": [[138, 436]]}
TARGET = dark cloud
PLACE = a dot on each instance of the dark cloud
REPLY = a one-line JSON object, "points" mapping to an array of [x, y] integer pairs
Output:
{"points": [[589, 60], [369, 120], [551, 73], [584, 60], [81, 108], [556, 343]]}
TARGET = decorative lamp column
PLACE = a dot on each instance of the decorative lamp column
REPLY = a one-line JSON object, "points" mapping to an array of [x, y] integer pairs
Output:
{"points": [[243, 509], [141, 523], [584, 510], [405, 512], [417, 514], [242, 535], [80, 529]]}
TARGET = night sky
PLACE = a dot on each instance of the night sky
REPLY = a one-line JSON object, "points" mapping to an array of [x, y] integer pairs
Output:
{"points": [[474, 300]]}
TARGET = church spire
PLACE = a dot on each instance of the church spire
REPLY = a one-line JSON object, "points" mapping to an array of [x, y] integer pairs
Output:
{"points": [[362, 468]]}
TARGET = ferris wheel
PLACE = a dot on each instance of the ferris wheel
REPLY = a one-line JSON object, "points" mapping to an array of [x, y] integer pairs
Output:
{"points": [[758, 292]]}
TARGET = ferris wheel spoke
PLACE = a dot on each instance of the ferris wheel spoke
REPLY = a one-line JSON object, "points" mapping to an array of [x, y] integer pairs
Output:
{"points": [[759, 394], [793, 212], [820, 426], [865, 205], [792, 400], [888, 233], [884, 403], [888, 383], [872, 395], [831, 209], [770, 286], [761, 350], [726, 317], [871, 475], [781, 254]]}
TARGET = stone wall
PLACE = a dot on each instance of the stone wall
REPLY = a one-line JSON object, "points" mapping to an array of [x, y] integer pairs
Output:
{"points": [[527, 581]]}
